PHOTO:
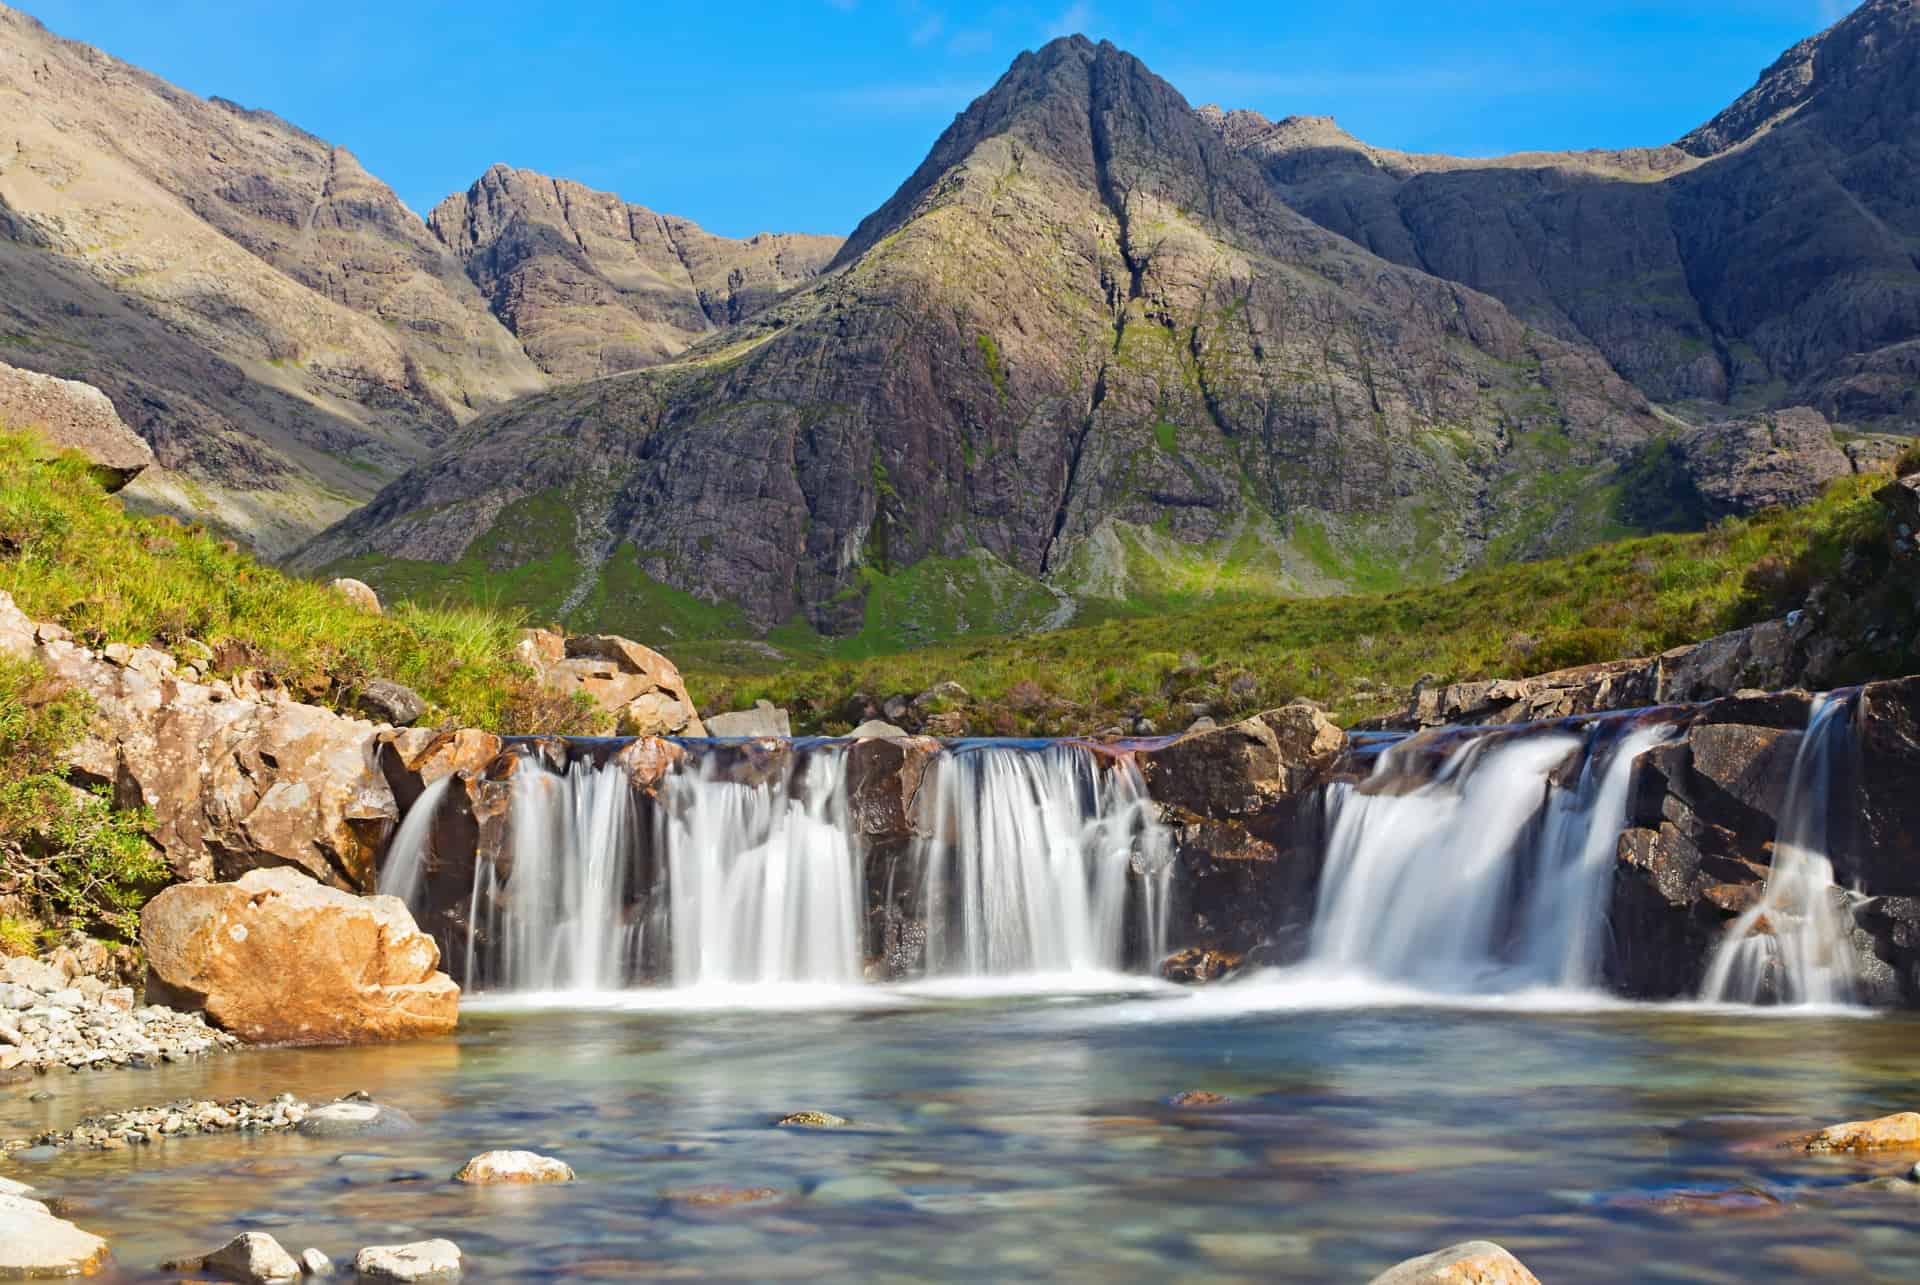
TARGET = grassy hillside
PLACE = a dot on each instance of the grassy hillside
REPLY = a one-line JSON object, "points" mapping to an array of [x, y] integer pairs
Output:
{"points": [[1359, 654], [70, 554]]}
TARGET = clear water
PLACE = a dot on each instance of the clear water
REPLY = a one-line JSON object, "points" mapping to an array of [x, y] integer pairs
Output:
{"points": [[1028, 1138]]}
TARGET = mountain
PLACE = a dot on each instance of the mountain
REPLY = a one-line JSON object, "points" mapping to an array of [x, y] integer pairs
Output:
{"points": [[592, 285], [1083, 355], [1769, 258]]}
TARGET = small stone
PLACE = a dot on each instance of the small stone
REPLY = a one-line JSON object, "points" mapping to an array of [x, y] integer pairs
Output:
{"points": [[252, 1256], [422, 1260], [1474, 1262], [357, 592], [812, 1120], [496, 1167], [315, 1263], [719, 1196], [1899, 1130], [1198, 1098]]}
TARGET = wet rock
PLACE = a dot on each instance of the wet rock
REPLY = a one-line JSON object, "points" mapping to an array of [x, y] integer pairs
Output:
{"points": [[276, 958], [357, 592], [764, 719], [33, 1243], [716, 1196], [1199, 964], [315, 1263], [349, 1118], [1474, 1262], [812, 1120], [1242, 770], [422, 1260], [1901, 1130], [68, 415], [385, 701], [140, 1126], [1198, 1098], [494, 1168], [252, 1256]]}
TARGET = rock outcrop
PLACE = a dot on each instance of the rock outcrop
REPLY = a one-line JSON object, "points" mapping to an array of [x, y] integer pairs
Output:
{"points": [[278, 959], [1081, 340], [234, 782], [1765, 256], [68, 415], [764, 719], [1781, 460], [640, 689], [592, 285]]}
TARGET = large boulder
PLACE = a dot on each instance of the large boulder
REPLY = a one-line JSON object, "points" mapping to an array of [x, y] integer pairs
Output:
{"points": [[764, 719], [34, 1244], [1244, 769], [278, 959], [641, 689], [72, 416], [234, 783]]}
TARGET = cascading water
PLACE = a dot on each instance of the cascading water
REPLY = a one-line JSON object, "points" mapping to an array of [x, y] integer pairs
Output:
{"points": [[1026, 857], [407, 855], [1487, 876], [1794, 945], [763, 881]]}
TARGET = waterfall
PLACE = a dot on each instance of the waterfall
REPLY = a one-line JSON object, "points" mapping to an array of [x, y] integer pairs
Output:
{"points": [[1794, 945], [1489, 875], [1026, 856], [763, 880], [406, 865]]}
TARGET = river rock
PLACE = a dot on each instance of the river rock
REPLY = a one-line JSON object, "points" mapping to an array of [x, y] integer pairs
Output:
{"points": [[315, 1263], [277, 958], [1242, 770], [1901, 1130], [33, 1243], [358, 593], [812, 1120], [493, 1168], [764, 719], [422, 1260], [877, 729], [68, 415], [252, 1256], [1474, 1262], [356, 1118]]}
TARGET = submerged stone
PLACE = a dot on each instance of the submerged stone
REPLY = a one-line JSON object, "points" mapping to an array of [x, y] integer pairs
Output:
{"points": [[494, 1168], [1899, 1130], [812, 1120], [422, 1260]]}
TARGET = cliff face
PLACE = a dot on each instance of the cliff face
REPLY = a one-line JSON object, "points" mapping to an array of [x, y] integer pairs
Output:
{"points": [[1765, 259], [592, 285], [1080, 352]]}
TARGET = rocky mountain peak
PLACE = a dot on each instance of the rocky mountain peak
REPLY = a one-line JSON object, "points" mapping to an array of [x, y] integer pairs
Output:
{"points": [[1872, 48]]}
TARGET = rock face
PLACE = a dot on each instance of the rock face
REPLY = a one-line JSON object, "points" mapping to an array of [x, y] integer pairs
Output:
{"points": [[1474, 1262], [1742, 466], [233, 783], [276, 958], [35, 1244], [1188, 363], [1766, 255], [593, 286], [71, 416]]}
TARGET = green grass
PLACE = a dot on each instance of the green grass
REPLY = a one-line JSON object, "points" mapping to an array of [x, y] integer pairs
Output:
{"points": [[1359, 654], [70, 554]]}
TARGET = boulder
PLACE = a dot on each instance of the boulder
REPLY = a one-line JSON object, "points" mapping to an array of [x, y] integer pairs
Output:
{"points": [[233, 783], [252, 1256], [422, 1260], [355, 1117], [494, 1168], [1242, 770], [1474, 1262], [68, 415], [639, 687], [1901, 499], [357, 592], [385, 701], [33, 1243], [1779, 459], [764, 719], [1899, 1131], [876, 729], [277, 958]]}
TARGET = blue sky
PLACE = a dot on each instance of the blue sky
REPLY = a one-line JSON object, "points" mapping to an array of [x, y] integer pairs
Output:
{"points": [[804, 116]]}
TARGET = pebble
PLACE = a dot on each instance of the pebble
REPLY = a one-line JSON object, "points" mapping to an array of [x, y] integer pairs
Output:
{"points": [[52, 1023], [253, 1257], [117, 1130], [422, 1260], [812, 1120], [494, 1168]]}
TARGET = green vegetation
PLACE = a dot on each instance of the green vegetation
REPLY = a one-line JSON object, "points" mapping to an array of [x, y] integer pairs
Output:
{"points": [[68, 857], [71, 555], [1358, 654]]}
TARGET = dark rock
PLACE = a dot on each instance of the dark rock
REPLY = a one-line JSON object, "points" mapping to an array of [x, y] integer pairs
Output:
{"points": [[385, 701], [1244, 769], [1782, 459]]}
